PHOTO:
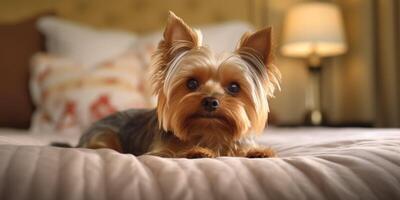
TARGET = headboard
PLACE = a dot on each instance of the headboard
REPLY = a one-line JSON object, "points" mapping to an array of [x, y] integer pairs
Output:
{"points": [[137, 15]]}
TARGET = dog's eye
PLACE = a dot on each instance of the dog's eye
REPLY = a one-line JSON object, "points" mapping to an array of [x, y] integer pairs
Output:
{"points": [[233, 88], [192, 84]]}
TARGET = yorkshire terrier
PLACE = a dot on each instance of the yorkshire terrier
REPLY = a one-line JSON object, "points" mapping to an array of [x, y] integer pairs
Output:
{"points": [[208, 105]]}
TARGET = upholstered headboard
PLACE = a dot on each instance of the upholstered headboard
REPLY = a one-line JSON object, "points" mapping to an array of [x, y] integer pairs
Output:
{"points": [[138, 15]]}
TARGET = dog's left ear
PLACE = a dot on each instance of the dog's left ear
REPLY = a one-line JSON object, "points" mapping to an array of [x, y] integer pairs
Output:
{"points": [[258, 43], [177, 30]]}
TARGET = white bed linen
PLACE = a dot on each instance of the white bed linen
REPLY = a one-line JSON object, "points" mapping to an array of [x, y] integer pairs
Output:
{"points": [[312, 164]]}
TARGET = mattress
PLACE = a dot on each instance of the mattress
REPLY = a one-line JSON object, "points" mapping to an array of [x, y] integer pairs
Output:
{"points": [[312, 163]]}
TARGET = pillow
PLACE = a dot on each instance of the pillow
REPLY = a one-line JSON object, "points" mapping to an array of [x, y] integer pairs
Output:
{"points": [[224, 36], [69, 96], [219, 37], [83, 44], [19, 42]]}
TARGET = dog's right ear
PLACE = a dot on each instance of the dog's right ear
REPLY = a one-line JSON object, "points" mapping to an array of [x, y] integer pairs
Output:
{"points": [[177, 30]]}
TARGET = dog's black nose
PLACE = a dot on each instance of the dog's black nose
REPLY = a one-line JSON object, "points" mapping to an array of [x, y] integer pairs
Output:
{"points": [[210, 104]]}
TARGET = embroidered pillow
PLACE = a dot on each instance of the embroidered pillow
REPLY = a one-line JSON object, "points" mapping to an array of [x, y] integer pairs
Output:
{"points": [[70, 96]]}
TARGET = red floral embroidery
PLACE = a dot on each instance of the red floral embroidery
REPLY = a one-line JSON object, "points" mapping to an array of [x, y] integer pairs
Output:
{"points": [[101, 107], [111, 81], [68, 117]]}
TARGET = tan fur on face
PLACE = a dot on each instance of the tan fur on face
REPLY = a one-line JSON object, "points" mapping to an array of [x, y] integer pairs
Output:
{"points": [[181, 57]]}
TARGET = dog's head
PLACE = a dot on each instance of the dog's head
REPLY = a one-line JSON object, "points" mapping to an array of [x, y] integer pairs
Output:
{"points": [[203, 96]]}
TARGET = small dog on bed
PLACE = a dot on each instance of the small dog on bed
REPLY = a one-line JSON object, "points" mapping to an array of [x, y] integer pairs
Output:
{"points": [[208, 105]]}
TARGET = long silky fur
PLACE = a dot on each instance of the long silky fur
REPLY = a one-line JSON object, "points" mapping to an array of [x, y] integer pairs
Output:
{"points": [[265, 79]]}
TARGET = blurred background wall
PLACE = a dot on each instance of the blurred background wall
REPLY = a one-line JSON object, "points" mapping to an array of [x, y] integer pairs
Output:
{"points": [[360, 87], [347, 81], [135, 15]]}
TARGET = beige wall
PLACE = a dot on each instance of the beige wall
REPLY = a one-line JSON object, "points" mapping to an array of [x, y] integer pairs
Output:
{"points": [[289, 104], [135, 15], [388, 62], [355, 78], [347, 80]]}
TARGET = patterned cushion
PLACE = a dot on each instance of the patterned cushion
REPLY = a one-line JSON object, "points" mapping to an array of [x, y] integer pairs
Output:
{"points": [[70, 96]]}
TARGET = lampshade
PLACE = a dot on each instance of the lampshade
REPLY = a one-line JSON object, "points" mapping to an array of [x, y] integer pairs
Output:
{"points": [[314, 28]]}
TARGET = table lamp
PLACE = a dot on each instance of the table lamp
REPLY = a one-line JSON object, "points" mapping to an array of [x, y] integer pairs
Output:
{"points": [[313, 30]]}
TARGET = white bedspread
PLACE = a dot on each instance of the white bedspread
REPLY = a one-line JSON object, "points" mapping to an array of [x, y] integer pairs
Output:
{"points": [[312, 164]]}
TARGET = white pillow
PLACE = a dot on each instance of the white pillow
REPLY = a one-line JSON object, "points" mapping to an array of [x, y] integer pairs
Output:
{"points": [[225, 36], [219, 37], [83, 44]]}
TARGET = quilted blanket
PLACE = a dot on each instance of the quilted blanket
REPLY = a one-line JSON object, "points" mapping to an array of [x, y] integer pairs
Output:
{"points": [[312, 164]]}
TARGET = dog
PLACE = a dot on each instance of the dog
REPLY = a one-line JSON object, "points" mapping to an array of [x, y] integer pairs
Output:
{"points": [[207, 105]]}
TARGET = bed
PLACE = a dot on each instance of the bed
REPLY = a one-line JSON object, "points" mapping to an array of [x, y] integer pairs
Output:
{"points": [[312, 163]]}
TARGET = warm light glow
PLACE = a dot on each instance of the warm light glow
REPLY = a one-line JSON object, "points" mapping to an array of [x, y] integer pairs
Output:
{"points": [[314, 27]]}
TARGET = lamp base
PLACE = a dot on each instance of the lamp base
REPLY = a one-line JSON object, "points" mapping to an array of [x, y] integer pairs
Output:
{"points": [[314, 115], [314, 118]]}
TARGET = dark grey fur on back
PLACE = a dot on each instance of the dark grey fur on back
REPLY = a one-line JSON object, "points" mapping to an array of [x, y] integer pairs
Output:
{"points": [[136, 129]]}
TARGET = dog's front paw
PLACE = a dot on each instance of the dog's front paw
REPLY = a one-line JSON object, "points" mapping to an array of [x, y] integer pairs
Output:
{"points": [[199, 152], [260, 153]]}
